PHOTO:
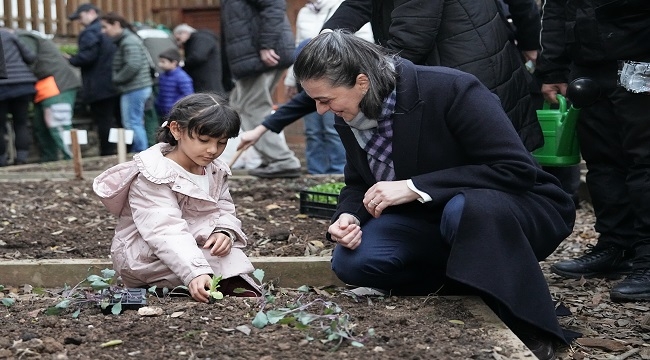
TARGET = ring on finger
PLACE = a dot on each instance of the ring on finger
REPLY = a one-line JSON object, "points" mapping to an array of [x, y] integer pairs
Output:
{"points": [[373, 203]]}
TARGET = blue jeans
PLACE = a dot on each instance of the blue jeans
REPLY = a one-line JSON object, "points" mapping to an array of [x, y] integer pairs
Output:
{"points": [[324, 152], [132, 109]]}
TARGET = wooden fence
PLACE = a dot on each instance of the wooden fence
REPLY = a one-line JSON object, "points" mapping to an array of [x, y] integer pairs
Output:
{"points": [[51, 16]]}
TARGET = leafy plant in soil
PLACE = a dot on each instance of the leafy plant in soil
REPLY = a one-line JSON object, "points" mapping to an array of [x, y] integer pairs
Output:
{"points": [[214, 293], [325, 316]]}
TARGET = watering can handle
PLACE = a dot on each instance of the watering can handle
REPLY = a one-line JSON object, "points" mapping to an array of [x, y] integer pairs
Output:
{"points": [[561, 102]]}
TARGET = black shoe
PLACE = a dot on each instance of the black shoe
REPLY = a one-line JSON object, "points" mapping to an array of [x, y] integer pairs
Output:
{"points": [[542, 346], [635, 287], [608, 262], [265, 172]]}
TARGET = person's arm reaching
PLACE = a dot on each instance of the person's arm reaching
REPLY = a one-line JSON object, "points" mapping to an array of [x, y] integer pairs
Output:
{"points": [[299, 106], [351, 15]]}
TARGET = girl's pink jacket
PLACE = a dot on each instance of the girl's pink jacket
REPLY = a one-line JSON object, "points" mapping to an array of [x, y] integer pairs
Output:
{"points": [[164, 219]]}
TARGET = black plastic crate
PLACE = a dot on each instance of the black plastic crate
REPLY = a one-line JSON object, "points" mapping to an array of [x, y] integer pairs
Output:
{"points": [[318, 204], [132, 299]]}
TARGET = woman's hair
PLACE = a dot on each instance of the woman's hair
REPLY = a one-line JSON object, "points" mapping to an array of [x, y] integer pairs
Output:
{"points": [[339, 57], [184, 28], [201, 114], [113, 17]]}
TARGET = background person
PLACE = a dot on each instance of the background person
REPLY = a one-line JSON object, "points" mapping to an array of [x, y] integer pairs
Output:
{"points": [[56, 93], [439, 187], [324, 152], [259, 45], [95, 59], [202, 50], [614, 133], [16, 94], [173, 81], [131, 76], [174, 208]]}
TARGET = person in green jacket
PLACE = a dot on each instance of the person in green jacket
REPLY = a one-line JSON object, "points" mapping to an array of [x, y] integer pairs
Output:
{"points": [[131, 75], [56, 94]]}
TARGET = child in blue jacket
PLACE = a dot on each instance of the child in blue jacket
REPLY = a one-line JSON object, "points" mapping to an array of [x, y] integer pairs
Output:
{"points": [[173, 82]]}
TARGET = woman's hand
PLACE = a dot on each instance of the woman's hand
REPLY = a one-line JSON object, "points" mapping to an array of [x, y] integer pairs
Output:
{"points": [[219, 244], [387, 193], [269, 57], [346, 231], [550, 91], [249, 138], [198, 287]]}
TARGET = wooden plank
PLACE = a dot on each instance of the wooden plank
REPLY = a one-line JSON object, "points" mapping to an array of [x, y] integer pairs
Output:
{"points": [[22, 14], [286, 271]]}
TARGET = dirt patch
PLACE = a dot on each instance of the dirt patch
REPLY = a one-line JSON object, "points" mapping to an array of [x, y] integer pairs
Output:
{"points": [[64, 219], [389, 328]]}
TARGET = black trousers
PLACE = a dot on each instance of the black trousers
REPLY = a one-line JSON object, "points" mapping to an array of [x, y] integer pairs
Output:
{"points": [[18, 108], [614, 136], [106, 115]]}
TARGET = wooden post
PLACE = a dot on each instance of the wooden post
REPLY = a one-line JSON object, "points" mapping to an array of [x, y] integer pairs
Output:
{"points": [[121, 146], [76, 154]]}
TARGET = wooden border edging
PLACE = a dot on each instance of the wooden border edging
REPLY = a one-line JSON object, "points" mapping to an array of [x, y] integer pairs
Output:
{"points": [[288, 271]]}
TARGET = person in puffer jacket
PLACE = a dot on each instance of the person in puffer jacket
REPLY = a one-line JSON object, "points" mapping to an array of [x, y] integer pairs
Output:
{"points": [[176, 218]]}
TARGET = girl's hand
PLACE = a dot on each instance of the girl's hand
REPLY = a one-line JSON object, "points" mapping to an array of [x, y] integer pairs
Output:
{"points": [[198, 287], [219, 244], [346, 232]]}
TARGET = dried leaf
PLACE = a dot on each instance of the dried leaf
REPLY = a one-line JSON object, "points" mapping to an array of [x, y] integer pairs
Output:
{"points": [[607, 344], [244, 329]]}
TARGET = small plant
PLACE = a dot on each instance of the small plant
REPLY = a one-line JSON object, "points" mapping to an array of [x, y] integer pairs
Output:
{"points": [[214, 293], [329, 318]]}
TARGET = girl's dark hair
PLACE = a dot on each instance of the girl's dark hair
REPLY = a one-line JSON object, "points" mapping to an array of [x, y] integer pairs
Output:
{"points": [[113, 17], [339, 57], [201, 114]]}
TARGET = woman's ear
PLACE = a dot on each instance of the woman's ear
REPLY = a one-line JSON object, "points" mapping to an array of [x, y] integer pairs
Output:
{"points": [[363, 83]]}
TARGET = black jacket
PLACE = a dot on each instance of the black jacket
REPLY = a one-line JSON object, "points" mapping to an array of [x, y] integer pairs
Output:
{"points": [[95, 58], [468, 35], [248, 26], [3, 68], [592, 33], [203, 61]]}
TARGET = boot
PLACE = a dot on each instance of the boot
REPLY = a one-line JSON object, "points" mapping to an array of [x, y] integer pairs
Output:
{"points": [[597, 261], [635, 287]]}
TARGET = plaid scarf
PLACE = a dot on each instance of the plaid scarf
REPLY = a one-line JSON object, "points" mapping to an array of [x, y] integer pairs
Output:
{"points": [[380, 146]]}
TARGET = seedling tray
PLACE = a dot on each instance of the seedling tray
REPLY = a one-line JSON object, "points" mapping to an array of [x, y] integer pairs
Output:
{"points": [[318, 204], [132, 299]]}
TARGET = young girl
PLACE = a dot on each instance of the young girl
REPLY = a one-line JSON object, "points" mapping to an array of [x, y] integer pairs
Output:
{"points": [[176, 218]]}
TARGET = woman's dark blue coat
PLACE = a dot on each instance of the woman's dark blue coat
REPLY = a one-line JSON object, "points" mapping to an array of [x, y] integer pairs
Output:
{"points": [[451, 136]]}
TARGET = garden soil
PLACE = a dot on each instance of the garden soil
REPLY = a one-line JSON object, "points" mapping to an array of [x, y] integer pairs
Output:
{"points": [[49, 219]]}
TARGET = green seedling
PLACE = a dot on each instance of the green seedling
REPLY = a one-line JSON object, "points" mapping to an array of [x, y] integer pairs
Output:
{"points": [[214, 293]]}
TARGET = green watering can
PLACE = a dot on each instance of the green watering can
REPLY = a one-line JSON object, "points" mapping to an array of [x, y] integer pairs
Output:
{"points": [[561, 146]]}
